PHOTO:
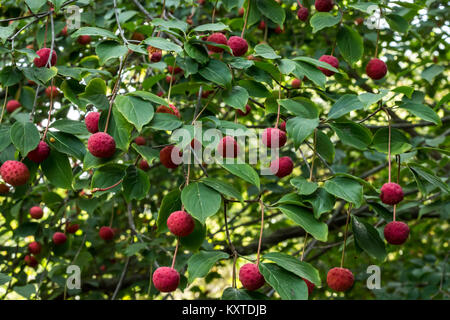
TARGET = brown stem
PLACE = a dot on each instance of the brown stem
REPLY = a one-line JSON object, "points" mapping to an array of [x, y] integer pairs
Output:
{"points": [[108, 188], [311, 169], [214, 11], [49, 111], [345, 234], [4, 104], [246, 18], [175, 253], [260, 232], [304, 246]]}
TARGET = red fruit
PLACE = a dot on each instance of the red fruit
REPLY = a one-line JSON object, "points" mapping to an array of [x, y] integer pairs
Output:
{"points": [[391, 193], [51, 91], [59, 238], [39, 154], [14, 172], [44, 54], [310, 286], [12, 105], [143, 165], [332, 61], [166, 279], [303, 13], [170, 109], [84, 40], [30, 261], [262, 25], [376, 69], [156, 56], [340, 279], [64, 31], [396, 232], [228, 147], [101, 145], [282, 167], [250, 277], [180, 223], [241, 12], [160, 94], [34, 247], [195, 144], [274, 138], [102, 268], [170, 79], [218, 38], [324, 5], [247, 111], [91, 121], [72, 227], [174, 70], [4, 189], [359, 21], [140, 141], [238, 45], [278, 30], [296, 83], [283, 126], [36, 212], [169, 155], [106, 233], [138, 36]]}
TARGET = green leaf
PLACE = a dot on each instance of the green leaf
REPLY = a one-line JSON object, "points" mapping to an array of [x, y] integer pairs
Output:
{"points": [[321, 20], [5, 137], [4, 278], [10, 76], [195, 240], [429, 176], [216, 71], [345, 104], [397, 23], [134, 248], [317, 63], [223, 187], [200, 263], [243, 171], [399, 142], [347, 189], [93, 31], [137, 111], [135, 184], [170, 203], [150, 97], [265, 51], [240, 294], [163, 44], [211, 27], [311, 72], [321, 202], [304, 186], [68, 144], [95, 93], [109, 49], [353, 134], [368, 239], [432, 72], [196, 52], [236, 97], [201, 201], [70, 126], [305, 218], [57, 170], [25, 136], [350, 44], [5, 33], [147, 153], [35, 5], [324, 146], [107, 176], [165, 121], [255, 89], [301, 107], [40, 75], [294, 265], [422, 111], [407, 91], [299, 128], [27, 290], [272, 10], [170, 24], [288, 285], [119, 128]]}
